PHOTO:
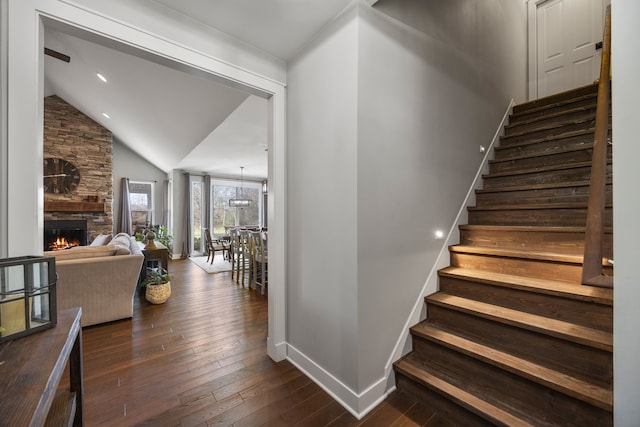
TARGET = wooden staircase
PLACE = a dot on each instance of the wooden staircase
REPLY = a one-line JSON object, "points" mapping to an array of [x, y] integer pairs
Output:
{"points": [[512, 337]]}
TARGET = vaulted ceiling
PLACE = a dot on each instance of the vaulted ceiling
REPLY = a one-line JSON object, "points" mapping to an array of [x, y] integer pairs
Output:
{"points": [[179, 120]]}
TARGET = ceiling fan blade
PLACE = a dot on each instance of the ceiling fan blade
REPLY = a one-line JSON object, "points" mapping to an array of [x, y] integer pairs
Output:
{"points": [[57, 55]]}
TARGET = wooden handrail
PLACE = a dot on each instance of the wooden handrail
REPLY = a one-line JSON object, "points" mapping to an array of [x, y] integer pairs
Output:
{"points": [[592, 273]]}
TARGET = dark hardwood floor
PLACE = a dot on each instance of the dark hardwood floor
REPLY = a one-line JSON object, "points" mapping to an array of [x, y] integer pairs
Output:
{"points": [[200, 360]]}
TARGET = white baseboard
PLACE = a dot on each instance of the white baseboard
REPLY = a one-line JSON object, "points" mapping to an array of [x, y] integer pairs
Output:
{"points": [[358, 404], [276, 352]]}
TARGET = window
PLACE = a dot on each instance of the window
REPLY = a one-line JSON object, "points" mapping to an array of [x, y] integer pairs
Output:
{"points": [[141, 200], [225, 216]]}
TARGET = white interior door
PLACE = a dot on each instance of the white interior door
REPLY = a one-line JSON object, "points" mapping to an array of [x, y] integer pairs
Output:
{"points": [[566, 35]]}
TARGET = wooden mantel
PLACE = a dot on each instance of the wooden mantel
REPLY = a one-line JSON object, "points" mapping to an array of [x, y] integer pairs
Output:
{"points": [[73, 206]]}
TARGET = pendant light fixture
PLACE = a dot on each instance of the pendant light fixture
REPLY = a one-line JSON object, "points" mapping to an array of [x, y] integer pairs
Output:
{"points": [[240, 202]]}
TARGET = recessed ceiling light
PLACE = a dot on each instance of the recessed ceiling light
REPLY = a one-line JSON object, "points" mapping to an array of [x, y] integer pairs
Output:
{"points": [[106, 115], [101, 77]]}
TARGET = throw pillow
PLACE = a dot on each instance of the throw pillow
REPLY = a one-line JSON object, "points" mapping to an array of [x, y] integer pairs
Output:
{"points": [[101, 240]]}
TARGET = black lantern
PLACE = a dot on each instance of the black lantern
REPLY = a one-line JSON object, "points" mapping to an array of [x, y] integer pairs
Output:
{"points": [[27, 295]]}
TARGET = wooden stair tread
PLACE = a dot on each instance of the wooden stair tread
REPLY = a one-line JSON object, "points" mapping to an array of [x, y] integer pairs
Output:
{"points": [[585, 118], [513, 141], [517, 253], [532, 139], [410, 366], [550, 287], [557, 99], [520, 121], [574, 387], [531, 228], [564, 205], [586, 146], [522, 110], [543, 186], [537, 169], [587, 133], [564, 330]]}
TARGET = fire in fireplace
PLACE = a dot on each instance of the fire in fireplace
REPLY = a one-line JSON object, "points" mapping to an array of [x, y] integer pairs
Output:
{"points": [[64, 234]]}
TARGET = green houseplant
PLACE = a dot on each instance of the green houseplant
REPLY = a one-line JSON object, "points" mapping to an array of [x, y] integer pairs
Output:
{"points": [[157, 285], [163, 236]]}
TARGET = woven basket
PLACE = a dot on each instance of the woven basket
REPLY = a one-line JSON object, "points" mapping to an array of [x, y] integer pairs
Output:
{"points": [[158, 294]]}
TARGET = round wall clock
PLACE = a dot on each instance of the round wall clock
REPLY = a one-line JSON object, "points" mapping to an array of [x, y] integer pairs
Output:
{"points": [[60, 176]]}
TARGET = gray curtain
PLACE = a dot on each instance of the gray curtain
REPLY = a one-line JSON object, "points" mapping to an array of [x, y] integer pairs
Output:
{"points": [[165, 203], [207, 203], [186, 243], [124, 224]]}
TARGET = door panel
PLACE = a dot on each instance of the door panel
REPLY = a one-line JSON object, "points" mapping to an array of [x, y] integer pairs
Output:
{"points": [[567, 31]]}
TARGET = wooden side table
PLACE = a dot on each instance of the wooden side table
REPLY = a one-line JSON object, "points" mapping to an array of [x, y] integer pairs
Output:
{"points": [[156, 257], [31, 368]]}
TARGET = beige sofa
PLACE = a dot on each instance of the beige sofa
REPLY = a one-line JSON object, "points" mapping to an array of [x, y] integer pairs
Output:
{"points": [[102, 279]]}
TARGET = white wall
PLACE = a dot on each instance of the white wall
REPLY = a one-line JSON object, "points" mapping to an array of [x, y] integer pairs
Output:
{"points": [[434, 81], [626, 201], [386, 115], [128, 164], [322, 210]]}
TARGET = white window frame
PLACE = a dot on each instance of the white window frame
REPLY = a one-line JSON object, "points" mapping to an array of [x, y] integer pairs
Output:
{"points": [[151, 208]]}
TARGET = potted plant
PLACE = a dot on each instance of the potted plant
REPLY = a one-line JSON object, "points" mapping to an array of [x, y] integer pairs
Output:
{"points": [[157, 285]]}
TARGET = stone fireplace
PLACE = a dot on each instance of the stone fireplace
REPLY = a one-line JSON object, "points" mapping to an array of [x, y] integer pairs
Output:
{"points": [[73, 138]]}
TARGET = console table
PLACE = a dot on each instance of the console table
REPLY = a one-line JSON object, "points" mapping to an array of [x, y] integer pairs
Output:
{"points": [[154, 257], [31, 368]]}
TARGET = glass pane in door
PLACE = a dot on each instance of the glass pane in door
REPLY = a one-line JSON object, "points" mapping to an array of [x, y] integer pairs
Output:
{"points": [[196, 220]]}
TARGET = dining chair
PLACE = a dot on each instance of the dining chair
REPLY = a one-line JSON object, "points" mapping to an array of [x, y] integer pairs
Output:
{"points": [[214, 245], [259, 261], [244, 258], [239, 254], [234, 234]]}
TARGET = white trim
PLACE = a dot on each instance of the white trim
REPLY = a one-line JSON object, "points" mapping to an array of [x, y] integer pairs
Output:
{"points": [[277, 224], [431, 284], [358, 404], [532, 47], [25, 119], [4, 162]]}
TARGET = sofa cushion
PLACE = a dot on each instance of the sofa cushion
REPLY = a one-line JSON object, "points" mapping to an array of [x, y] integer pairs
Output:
{"points": [[122, 242], [101, 240], [82, 252]]}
